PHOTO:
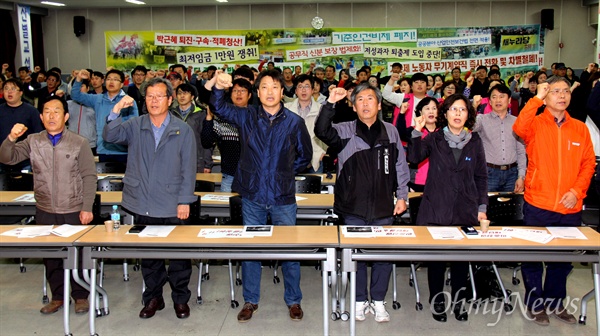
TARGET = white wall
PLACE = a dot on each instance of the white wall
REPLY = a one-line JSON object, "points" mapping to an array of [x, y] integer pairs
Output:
{"points": [[571, 24]]}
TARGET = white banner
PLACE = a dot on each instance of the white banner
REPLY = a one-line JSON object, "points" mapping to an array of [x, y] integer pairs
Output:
{"points": [[391, 36], [299, 54], [25, 39], [219, 56], [187, 40], [455, 41]]}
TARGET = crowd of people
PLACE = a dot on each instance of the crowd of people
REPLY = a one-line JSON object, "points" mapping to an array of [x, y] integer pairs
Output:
{"points": [[453, 137]]}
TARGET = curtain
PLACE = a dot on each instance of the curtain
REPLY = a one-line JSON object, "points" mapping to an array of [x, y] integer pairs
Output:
{"points": [[8, 40], [37, 36]]}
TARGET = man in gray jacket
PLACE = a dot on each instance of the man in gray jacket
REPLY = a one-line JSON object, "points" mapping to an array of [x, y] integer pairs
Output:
{"points": [[159, 184], [65, 185]]}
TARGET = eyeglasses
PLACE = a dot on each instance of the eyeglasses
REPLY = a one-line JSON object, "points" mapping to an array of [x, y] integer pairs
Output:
{"points": [[182, 93], [11, 89], [239, 91], [157, 97], [113, 80], [555, 92], [456, 109], [303, 87]]}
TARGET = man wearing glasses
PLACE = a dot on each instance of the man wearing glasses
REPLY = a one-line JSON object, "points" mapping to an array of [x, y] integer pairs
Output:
{"points": [[561, 165], [158, 185], [103, 105], [305, 107], [14, 111]]}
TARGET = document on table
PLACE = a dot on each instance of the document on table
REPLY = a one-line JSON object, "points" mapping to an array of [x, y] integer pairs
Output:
{"points": [[445, 233], [397, 232], [223, 233], [216, 198], [160, 231], [25, 198], [566, 232], [491, 234], [259, 230], [361, 231], [67, 230], [29, 231], [533, 235], [298, 198]]}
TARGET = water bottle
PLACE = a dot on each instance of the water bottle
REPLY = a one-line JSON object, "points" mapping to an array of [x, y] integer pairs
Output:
{"points": [[115, 216]]}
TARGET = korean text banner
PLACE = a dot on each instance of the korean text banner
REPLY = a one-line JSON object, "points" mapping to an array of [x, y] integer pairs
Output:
{"points": [[219, 56]]}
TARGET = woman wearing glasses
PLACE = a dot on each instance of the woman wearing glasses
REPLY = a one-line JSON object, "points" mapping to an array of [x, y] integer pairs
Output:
{"points": [[455, 192]]}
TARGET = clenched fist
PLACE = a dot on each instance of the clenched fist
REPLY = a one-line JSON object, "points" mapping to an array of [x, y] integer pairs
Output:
{"points": [[17, 131]]}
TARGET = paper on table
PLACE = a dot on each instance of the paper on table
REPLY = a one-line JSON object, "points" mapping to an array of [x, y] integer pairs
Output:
{"points": [[29, 231], [223, 233], [445, 233], [12, 233], [490, 234], [534, 235], [67, 230], [398, 232], [161, 231], [298, 198], [566, 232], [25, 198], [214, 197]]}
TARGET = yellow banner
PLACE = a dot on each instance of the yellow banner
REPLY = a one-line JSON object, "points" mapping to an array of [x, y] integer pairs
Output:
{"points": [[386, 51], [219, 56], [518, 43]]}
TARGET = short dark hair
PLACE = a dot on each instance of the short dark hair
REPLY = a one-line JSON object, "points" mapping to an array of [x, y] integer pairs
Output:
{"points": [[365, 67], [187, 87], [98, 74], [61, 100], [396, 64], [330, 66], [362, 70], [456, 68], [317, 80], [424, 102], [449, 101], [15, 82], [493, 72], [244, 72], [139, 68], [179, 66], [23, 68], [118, 72], [271, 63], [53, 74], [482, 67], [448, 83], [211, 67], [85, 82], [274, 74], [495, 66], [303, 78], [56, 69], [500, 89], [158, 80]]}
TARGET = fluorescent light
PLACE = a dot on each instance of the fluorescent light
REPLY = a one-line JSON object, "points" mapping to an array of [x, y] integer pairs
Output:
{"points": [[58, 4], [136, 2], [221, 0]]}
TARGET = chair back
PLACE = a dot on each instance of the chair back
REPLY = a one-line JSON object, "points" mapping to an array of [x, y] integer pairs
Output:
{"points": [[505, 209], [96, 211], [235, 211], [308, 184], [110, 184], [204, 186], [110, 167], [413, 208], [16, 182]]}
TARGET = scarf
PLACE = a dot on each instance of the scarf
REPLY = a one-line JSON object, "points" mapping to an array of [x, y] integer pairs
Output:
{"points": [[457, 141]]}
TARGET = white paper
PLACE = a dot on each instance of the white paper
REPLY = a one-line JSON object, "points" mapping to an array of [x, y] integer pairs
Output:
{"points": [[216, 198], [361, 231], [223, 233], [490, 234], [25, 198], [259, 230], [398, 232], [566, 232], [445, 233], [298, 198], [533, 235], [67, 230], [12, 233], [161, 231], [35, 231]]}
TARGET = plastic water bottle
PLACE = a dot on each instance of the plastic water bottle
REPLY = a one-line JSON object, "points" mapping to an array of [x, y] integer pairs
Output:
{"points": [[115, 216]]}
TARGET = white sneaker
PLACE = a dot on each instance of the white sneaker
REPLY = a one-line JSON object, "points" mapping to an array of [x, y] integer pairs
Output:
{"points": [[362, 309], [381, 314]]}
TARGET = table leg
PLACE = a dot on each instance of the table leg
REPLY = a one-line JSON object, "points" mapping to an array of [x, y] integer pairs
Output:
{"points": [[596, 271], [67, 299], [324, 283], [92, 315], [348, 265]]}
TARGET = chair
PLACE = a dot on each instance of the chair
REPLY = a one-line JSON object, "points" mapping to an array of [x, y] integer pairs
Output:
{"points": [[110, 167], [110, 184], [308, 184]]}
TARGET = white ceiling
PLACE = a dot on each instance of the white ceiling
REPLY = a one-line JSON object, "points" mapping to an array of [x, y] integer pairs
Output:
{"points": [[171, 3]]}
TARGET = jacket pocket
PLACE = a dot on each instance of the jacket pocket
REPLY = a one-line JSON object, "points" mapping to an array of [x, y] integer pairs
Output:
{"points": [[130, 186], [248, 180]]}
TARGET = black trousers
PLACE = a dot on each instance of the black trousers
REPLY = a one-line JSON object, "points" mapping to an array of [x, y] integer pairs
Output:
{"points": [[154, 272], [54, 267], [436, 272]]}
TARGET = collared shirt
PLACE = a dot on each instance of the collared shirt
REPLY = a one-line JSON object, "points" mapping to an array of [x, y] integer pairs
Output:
{"points": [[303, 112], [559, 122], [185, 112], [55, 138], [158, 131], [501, 145]]}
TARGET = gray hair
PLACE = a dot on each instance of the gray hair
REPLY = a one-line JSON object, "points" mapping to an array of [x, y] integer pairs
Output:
{"points": [[157, 80], [557, 79], [362, 87]]}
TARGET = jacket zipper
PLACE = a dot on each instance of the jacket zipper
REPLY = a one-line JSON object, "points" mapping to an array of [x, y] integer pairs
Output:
{"points": [[53, 178], [559, 177]]}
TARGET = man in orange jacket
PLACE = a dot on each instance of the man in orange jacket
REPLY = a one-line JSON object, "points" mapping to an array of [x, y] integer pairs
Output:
{"points": [[560, 168]]}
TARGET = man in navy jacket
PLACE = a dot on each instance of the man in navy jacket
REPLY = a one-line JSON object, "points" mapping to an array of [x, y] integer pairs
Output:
{"points": [[275, 146]]}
